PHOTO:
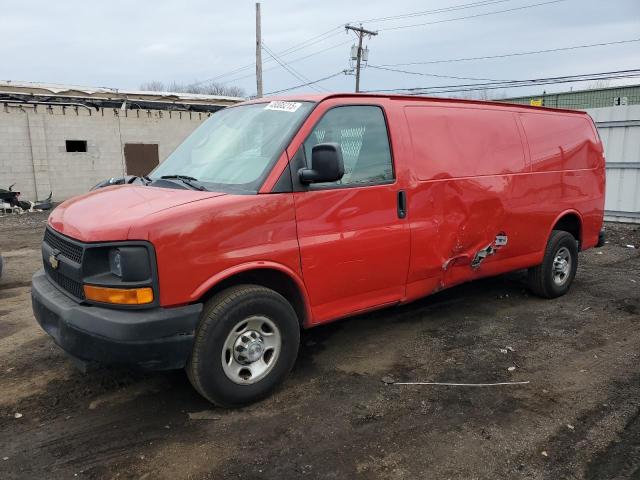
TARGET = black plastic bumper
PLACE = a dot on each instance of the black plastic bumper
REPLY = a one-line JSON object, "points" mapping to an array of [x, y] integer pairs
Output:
{"points": [[153, 339], [601, 239]]}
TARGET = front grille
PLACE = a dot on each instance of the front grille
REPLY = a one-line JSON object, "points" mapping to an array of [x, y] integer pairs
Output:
{"points": [[71, 286], [70, 250]]}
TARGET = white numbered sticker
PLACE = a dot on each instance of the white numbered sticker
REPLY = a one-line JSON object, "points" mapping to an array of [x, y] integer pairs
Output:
{"points": [[283, 106]]}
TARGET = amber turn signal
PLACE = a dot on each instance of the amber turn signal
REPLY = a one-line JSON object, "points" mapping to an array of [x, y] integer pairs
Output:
{"points": [[121, 296]]}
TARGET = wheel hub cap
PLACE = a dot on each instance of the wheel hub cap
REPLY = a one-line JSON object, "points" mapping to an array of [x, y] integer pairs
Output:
{"points": [[249, 347], [251, 350], [561, 266]]}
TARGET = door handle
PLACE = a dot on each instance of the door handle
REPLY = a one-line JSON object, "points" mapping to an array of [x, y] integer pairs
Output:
{"points": [[402, 204]]}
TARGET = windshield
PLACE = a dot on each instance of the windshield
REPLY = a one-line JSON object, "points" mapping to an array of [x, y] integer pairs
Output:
{"points": [[235, 148]]}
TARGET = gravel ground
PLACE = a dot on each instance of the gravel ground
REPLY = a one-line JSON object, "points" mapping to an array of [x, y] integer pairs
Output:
{"points": [[334, 418]]}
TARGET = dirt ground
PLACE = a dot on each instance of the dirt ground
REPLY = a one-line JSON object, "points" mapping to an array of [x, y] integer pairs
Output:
{"points": [[334, 418]]}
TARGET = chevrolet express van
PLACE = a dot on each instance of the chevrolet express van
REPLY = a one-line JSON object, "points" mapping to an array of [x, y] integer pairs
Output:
{"points": [[282, 214]]}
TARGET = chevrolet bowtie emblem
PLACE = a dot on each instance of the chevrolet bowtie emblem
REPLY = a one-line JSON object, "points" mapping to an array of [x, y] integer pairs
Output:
{"points": [[53, 261]]}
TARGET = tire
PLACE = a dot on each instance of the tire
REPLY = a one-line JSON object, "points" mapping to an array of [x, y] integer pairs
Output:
{"points": [[233, 364], [553, 277]]}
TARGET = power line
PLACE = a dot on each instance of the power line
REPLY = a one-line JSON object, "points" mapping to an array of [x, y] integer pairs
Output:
{"points": [[516, 54], [452, 8], [309, 83], [288, 68], [617, 74], [294, 48], [337, 30], [530, 82], [472, 16], [313, 40], [380, 67], [292, 61], [537, 83]]}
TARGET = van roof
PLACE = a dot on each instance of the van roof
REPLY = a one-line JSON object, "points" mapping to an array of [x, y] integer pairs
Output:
{"points": [[318, 97]]}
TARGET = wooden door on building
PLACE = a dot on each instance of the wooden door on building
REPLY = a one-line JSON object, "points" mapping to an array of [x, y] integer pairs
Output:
{"points": [[140, 158]]}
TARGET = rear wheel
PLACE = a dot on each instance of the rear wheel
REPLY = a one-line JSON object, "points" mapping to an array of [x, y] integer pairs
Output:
{"points": [[246, 343], [553, 277]]}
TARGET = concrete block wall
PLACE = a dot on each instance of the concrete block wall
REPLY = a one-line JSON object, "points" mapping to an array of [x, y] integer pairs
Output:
{"points": [[33, 145]]}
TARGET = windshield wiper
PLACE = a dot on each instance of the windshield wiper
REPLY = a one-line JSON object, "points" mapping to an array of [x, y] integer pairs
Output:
{"points": [[187, 180]]}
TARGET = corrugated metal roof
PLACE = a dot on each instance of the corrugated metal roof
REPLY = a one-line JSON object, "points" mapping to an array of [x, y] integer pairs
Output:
{"points": [[36, 88]]}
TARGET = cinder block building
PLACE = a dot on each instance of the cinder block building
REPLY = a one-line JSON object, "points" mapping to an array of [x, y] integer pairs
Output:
{"points": [[65, 139]]}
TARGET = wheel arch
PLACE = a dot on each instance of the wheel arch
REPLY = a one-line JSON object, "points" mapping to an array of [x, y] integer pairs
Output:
{"points": [[267, 274], [569, 221]]}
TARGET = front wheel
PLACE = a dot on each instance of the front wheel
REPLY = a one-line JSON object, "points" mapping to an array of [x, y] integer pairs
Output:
{"points": [[245, 345], [553, 277]]}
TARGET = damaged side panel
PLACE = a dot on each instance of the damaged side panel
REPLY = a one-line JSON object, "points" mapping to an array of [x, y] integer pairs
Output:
{"points": [[477, 223], [499, 242]]}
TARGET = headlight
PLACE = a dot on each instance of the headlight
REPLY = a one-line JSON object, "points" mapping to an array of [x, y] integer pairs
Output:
{"points": [[115, 262], [119, 274], [126, 263]]}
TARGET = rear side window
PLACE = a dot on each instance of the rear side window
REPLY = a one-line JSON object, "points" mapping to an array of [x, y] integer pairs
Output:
{"points": [[450, 142], [361, 132]]}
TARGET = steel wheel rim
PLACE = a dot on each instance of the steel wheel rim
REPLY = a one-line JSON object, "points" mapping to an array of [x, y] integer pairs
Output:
{"points": [[561, 266], [251, 350]]}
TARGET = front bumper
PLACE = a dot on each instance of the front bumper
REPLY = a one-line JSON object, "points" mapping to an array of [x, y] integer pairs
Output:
{"points": [[152, 339]]}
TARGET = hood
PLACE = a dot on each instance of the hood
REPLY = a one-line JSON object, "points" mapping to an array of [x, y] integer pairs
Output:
{"points": [[108, 213]]}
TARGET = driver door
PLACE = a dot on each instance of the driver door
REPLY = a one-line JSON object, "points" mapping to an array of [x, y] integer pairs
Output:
{"points": [[354, 246]]}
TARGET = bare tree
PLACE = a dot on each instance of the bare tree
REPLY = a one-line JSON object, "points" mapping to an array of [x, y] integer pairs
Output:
{"points": [[206, 88], [598, 84], [153, 86], [480, 94]]}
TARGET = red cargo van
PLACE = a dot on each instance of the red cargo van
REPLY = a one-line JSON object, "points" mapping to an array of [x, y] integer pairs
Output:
{"points": [[281, 214]]}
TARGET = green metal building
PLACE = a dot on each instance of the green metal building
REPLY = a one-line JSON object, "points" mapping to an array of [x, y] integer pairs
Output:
{"points": [[583, 99]]}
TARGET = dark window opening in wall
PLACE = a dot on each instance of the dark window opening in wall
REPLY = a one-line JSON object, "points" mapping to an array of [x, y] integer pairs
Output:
{"points": [[76, 145]]}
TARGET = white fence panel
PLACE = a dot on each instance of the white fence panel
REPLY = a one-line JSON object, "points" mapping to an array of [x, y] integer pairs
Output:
{"points": [[619, 128]]}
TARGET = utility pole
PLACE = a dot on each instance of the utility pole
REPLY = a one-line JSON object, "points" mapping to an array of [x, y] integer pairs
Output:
{"points": [[361, 33], [258, 52]]}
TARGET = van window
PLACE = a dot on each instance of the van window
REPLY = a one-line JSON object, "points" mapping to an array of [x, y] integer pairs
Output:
{"points": [[235, 148], [450, 142], [361, 132]]}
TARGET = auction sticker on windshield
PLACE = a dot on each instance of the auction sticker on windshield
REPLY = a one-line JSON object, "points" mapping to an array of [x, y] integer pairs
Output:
{"points": [[283, 106]]}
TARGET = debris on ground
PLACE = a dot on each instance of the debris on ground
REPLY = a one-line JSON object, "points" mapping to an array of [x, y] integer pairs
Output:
{"points": [[511, 368], [10, 202], [450, 384], [388, 380], [204, 415], [17, 415]]}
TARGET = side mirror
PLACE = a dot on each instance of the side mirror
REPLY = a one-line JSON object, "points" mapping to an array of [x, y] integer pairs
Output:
{"points": [[326, 164]]}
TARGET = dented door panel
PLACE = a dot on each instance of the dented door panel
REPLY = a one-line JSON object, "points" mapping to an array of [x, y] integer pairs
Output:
{"points": [[476, 213]]}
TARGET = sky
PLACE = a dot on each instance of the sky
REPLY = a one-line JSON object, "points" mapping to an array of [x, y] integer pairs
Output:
{"points": [[122, 44]]}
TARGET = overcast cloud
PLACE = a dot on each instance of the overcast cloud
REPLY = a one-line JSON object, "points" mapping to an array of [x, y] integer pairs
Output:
{"points": [[122, 44]]}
